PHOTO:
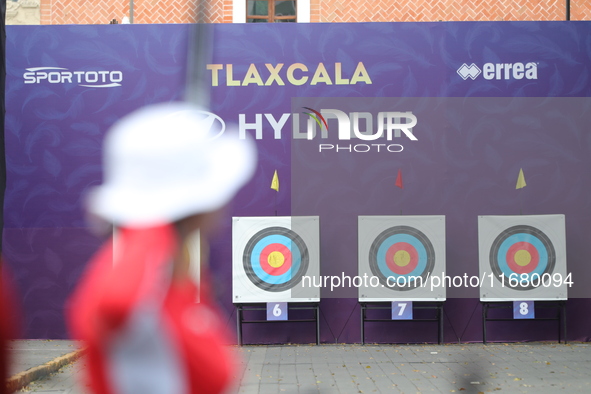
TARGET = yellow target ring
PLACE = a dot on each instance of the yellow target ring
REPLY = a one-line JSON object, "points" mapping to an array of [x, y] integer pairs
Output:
{"points": [[276, 259], [522, 258], [401, 258]]}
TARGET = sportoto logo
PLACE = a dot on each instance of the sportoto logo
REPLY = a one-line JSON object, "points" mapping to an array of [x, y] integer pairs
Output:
{"points": [[471, 71], [61, 75]]}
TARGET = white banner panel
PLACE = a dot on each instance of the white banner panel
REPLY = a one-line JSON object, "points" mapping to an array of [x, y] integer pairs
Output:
{"points": [[271, 255], [522, 258], [400, 255]]}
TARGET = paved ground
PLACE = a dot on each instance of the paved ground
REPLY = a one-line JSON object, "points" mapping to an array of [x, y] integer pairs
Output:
{"points": [[33, 353], [470, 368]]}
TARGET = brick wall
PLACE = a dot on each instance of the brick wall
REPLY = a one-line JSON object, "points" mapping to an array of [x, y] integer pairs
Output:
{"points": [[59, 12], [580, 10], [180, 11], [63, 12], [447, 10]]}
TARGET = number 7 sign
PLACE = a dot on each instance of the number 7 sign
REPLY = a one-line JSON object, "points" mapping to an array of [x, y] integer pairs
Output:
{"points": [[401, 310]]}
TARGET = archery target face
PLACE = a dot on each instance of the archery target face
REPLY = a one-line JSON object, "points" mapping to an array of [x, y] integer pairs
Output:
{"points": [[401, 253], [519, 256], [270, 257], [275, 259]]}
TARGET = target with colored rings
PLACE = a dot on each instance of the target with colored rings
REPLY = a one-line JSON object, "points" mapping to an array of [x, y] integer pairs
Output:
{"points": [[401, 254], [522, 253], [275, 259]]}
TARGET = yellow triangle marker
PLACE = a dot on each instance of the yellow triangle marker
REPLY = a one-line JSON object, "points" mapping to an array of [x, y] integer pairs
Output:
{"points": [[520, 180], [275, 182]]}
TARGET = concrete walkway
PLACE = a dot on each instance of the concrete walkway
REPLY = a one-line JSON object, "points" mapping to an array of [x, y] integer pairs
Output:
{"points": [[470, 368], [35, 359]]}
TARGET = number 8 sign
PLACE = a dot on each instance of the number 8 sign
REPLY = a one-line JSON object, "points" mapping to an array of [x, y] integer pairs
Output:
{"points": [[523, 310]]}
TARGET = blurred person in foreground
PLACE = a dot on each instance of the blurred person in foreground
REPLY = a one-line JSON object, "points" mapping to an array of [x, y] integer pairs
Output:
{"points": [[10, 320], [135, 308]]}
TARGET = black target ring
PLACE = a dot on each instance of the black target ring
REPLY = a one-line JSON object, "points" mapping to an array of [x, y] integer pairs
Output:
{"points": [[410, 240], [500, 261], [282, 239]]}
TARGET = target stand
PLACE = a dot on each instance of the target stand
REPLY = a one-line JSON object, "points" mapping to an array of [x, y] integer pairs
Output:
{"points": [[400, 254], [254, 309], [273, 261], [558, 306], [434, 306], [521, 259]]}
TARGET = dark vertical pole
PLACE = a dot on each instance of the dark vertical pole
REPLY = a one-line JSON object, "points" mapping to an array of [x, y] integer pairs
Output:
{"points": [[484, 315], [563, 317], [440, 317], [363, 324], [568, 10], [239, 323], [317, 324]]}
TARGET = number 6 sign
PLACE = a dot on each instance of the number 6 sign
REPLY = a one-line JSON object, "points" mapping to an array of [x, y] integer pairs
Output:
{"points": [[277, 311]]}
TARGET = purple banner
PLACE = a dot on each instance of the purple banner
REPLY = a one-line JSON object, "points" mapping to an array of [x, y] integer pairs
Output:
{"points": [[489, 98]]}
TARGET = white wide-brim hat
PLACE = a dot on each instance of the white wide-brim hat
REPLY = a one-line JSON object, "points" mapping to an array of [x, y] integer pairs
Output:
{"points": [[163, 162]]}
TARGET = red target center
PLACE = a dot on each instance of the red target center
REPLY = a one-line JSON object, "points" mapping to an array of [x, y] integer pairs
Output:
{"points": [[275, 259], [402, 258], [522, 257]]}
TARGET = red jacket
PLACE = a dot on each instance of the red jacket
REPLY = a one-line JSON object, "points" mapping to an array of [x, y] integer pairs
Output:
{"points": [[145, 333], [9, 324]]}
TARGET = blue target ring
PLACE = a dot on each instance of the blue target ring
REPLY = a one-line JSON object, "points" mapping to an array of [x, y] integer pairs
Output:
{"points": [[266, 239], [522, 237], [500, 251], [411, 241], [395, 239], [256, 262]]}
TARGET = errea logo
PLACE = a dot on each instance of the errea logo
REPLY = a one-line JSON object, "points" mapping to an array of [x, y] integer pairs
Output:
{"points": [[499, 71], [471, 71]]}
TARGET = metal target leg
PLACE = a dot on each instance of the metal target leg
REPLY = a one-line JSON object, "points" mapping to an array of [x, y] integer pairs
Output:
{"points": [[484, 315], [317, 324], [563, 319], [440, 317], [239, 324], [363, 324]]}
